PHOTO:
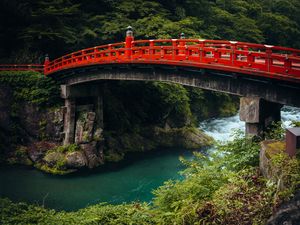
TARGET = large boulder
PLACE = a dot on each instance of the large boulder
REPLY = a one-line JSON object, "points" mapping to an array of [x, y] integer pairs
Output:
{"points": [[75, 159], [55, 159], [53, 124], [37, 150], [268, 149], [189, 138], [288, 213], [93, 154]]}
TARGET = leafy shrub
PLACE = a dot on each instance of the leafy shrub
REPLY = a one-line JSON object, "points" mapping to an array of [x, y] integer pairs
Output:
{"points": [[240, 153], [275, 131]]}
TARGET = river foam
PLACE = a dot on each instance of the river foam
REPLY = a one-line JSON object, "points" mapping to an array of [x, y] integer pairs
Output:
{"points": [[222, 129]]}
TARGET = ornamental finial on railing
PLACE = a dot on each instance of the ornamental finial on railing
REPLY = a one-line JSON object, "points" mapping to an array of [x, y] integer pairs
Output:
{"points": [[46, 61], [129, 31], [128, 41], [182, 36]]}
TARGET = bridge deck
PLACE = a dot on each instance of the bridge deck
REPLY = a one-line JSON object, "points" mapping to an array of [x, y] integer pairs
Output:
{"points": [[245, 58]]}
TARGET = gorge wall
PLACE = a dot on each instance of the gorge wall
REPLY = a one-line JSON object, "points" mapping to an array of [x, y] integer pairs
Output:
{"points": [[138, 116]]}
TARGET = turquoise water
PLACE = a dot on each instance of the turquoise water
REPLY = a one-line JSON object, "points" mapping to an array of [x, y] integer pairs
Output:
{"points": [[131, 180]]}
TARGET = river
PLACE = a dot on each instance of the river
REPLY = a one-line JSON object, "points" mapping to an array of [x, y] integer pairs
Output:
{"points": [[131, 180]]}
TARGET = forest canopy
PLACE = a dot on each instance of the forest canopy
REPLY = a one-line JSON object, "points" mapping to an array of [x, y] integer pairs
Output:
{"points": [[30, 29]]}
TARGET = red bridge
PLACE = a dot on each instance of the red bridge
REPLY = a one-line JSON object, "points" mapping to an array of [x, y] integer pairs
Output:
{"points": [[266, 76], [244, 58]]}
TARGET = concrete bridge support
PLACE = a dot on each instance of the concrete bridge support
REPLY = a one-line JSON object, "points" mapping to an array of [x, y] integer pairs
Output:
{"points": [[71, 94], [258, 114]]}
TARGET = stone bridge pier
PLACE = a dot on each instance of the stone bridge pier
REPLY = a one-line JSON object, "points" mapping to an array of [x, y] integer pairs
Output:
{"points": [[258, 114], [74, 96], [255, 111]]}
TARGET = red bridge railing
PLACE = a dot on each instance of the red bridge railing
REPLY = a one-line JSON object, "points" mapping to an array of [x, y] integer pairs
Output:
{"points": [[255, 59], [240, 57], [22, 67]]}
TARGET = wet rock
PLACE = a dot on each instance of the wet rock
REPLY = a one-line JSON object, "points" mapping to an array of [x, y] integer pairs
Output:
{"points": [[37, 150], [54, 159], [91, 116], [190, 138], [270, 148], [79, 132], [92, 153], [288, 213], [98, 135], [85, 127], [76, 159], [54, 124]]}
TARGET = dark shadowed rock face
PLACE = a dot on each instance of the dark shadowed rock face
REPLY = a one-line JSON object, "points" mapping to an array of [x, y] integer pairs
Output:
{"points": [[85, 127], [75, 160], [288, 213], [93, 154], [5, 107], [37, 150]]}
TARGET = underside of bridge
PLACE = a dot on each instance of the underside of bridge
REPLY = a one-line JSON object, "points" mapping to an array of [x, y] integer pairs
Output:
{"points": [[260, 104]]}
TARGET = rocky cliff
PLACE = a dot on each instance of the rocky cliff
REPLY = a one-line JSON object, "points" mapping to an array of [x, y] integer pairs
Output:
{"points": [[137, 117]]}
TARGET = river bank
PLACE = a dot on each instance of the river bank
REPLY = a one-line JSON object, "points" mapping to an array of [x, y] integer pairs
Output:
{"points": [[132, 179]]}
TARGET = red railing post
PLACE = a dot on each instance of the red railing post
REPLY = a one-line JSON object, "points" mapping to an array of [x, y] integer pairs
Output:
{"points": [[151, 49], [201, 49], [233, 52], [287, 64], [269, 60], [46, 62], [128, 42], [174, 48], [181, 44]]}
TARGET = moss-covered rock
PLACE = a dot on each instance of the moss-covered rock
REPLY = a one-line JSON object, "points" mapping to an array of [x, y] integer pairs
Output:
{"points": [[75, 159], [55, 159], [20, 156], [186, 137], [276, 165]]}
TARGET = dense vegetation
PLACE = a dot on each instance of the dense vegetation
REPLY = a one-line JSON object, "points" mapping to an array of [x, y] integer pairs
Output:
{"points": [[19, 90], [30, 29], [216, 190], [224, 188]]}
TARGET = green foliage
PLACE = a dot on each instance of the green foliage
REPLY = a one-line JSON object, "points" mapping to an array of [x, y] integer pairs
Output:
{"points": [[275, 131], [56, 27], [240, 153], [58, 169], [54, 161], [247, 198], [31, 87], [66, 148], [177, 201], [21, 213], [216, 189], [20, 156], [145, 103], [286, 174], [206, 104], [296, 123]]}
